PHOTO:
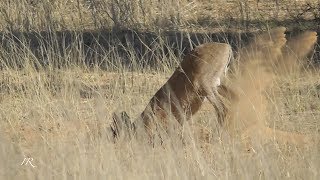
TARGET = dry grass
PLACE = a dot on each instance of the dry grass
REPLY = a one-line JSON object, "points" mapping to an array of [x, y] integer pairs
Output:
{"points": [[263, 64], [30, 15], [60, 118]]}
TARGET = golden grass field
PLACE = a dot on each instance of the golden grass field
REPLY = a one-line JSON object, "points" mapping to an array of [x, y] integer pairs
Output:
{"points": [[196, 15], [60, 117]]}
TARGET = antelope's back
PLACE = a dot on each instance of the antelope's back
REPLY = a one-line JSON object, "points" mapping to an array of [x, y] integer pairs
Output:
{"points": [[209, 59]]}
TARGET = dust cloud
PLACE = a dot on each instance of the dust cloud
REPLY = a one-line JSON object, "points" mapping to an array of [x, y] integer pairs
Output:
{"points": [[258, 64]]}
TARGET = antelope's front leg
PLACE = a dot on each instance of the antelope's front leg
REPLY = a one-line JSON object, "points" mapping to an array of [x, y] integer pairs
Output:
{"points": [[215, 99]]}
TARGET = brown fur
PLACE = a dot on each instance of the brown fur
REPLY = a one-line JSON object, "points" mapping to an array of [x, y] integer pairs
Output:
{"points": [[182, 95], [198, 78]]}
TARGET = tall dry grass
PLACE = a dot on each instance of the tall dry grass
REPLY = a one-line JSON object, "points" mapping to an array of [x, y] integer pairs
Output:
{"points": [[60, 116], [197, 15]]}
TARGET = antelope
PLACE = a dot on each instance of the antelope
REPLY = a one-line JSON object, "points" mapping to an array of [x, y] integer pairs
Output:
{"points": [[198, 77]]}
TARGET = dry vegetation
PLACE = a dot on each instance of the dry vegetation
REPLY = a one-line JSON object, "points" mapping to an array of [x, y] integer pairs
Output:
{"points": [[30, 15], [60, 117]]}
